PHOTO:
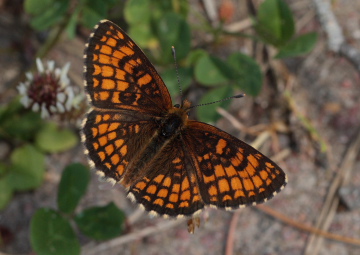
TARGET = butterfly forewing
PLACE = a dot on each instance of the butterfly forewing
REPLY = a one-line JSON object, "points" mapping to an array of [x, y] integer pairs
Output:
{"points": [[119, 76]]}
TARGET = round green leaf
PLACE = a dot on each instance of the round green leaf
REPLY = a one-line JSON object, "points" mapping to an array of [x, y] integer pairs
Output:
{"points": [[74, 181], [247, 72], [275, 22], [171, 81], [209, 71], [298, 46], [51, 234], [208, 113], [27, 169], [194, 56], [51, 139], [137, 11], [6, 190], [101, 223]]}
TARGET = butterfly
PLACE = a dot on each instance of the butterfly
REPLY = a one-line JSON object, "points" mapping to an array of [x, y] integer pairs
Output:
{"points": [[169, 164]]}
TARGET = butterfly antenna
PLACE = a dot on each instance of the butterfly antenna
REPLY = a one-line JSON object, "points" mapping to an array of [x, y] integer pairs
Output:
{"points": [[218, 101], [177, 72]]}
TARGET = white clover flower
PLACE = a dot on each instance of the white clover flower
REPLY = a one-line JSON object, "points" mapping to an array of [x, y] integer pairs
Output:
{"points": [[49, 90]]}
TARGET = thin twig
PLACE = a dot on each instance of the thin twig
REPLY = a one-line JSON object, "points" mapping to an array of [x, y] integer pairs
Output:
{"points": [[230, 237]]}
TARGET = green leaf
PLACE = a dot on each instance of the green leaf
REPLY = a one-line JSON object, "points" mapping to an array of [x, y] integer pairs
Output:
{"points": [[194, 56], [137, 11], [210, 71], [51, 139], [36, 7], [171, 81], [208, 113], [248, 73], [275, 22], [50, 16], [173, 30], [28, 167], [51, 234], [101, 223], [6, 190], [142, 35], [298, 46], [72, 187]]}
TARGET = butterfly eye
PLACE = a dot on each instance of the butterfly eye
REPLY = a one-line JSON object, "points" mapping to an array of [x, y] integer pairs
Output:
{"points": [[177, 106]]}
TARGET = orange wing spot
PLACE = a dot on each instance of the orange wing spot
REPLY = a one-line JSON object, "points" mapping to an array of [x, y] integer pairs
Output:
{"points": [[140, 185], [146, 79], [251, 193], [206, 156], [113, 126], [128, 51], [109, 149], [104, 95], [94, 132], [167, 182], [214, 199], [185, 184], [159, 178], [116, 98], [101, 155], [236, 183], [257, 181], [95, 57], [186, 195], [133, 63], [108, 84], [104, 38], [107, 71], [261, 190], [176, 188], [118, 54], [220, 146], [128, 68], [111, 42], [98, 119], [106, 50], [248, 185], [159, 201], [208, 179], [96, 146], [213, 190], [226, 197], [103, 140], [124, 150], [230, 171], [137, 129], [120, 169], [106, 117], [239, 193], [97, 70], [104, 59], [176, 160], [196, 189], [268, 182], [223, 185], [196, 198], [184, 204], [115, 159], [138, 60], [96, 82], [170, 206], [219, 171], [103, 128], [253, 160], [179, 167], [111, 136], [108, 165], [97, 47], [273, 176], [244, 174], [269, 165], [163, 193], [122, 85], [250, 170], [147, 198], [119, 142], [151, 189], [174, 198]]}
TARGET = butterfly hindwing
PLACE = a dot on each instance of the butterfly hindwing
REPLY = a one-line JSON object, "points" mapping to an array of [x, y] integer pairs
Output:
{"points": [[118, 75], [231, 173]]}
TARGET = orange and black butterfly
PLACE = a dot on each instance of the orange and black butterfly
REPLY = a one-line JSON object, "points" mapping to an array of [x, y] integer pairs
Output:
{"points": [[170, 165]]}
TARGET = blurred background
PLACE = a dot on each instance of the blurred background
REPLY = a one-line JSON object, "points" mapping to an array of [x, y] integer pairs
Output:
{"points": [[298, 63]]}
